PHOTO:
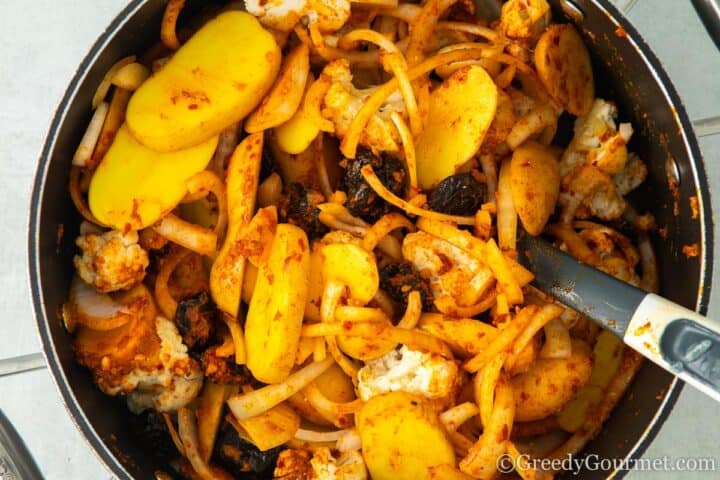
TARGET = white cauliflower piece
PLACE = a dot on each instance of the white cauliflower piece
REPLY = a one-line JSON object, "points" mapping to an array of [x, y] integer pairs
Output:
{"points": [[411, 371], [167, 384], [283, 15], [525, 19], [600, 145], [348, 466], [631, 176], [450, 270], [111, 261], [343, 102]]}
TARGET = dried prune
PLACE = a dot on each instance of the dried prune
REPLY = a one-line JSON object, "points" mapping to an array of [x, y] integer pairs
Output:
{"points": [[195, 319], [299, 207], [459, 194], [237, 455], [362, 200], [401, 278]]}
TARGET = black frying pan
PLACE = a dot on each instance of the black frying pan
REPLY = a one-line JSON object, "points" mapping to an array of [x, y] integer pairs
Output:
{"points": [[627, 71]]}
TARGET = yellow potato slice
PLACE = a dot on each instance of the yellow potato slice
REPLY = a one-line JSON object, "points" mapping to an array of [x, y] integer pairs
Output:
{"points": [[226, 275], [461, 109], [535, 185], [134, 186], [274, 319], [212, 82], [563, 65], [551, 383], [284, 98], [296, 135], [402, 438]]}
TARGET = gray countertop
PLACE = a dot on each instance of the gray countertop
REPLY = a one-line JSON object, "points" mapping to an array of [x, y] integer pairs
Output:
{"points": [[42, 42]]}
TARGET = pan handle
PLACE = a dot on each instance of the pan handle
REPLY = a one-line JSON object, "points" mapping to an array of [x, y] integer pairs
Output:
{"points": [[709, 13]]}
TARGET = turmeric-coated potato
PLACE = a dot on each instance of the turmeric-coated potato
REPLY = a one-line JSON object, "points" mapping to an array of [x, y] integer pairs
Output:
{"points": [[133, 187], [550, 383], [213, 81], [274, 319], [563, 65], [524, 19], [402, 438], [296, 135], [535, 184], [461, 111]]}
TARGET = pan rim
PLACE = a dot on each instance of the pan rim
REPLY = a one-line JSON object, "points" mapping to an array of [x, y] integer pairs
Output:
{"points": [[77, 415]]}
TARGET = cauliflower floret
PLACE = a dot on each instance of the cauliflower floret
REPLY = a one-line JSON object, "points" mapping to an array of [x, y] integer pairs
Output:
{"points": [[145, 359], [293, 464], [348, 466], [595, 169], [411, 371], [111, 261], [450, 270], [167, 384], [343, 102], [283, 15], [524, 19]]}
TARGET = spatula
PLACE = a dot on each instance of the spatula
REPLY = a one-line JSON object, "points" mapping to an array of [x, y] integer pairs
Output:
{"points": [[679, 340]]}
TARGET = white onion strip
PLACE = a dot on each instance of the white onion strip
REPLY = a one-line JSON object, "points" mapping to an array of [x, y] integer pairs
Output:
{"points": [[84, 152], [248, 405]]}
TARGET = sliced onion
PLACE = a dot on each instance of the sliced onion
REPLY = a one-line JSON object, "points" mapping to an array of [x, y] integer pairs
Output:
{"points": [[250, 404], [188, 434], [319, 437]]}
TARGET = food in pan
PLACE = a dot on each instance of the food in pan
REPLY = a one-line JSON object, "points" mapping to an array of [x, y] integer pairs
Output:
{"points": [[298, 253]]}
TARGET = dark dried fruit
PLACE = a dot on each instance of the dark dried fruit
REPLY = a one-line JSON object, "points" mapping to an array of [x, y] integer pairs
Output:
{"points": [[237, 455], [151, 431], [459, 194], [401, 278], [223, 369], [362, 200], [299, 207], [195, 319]]}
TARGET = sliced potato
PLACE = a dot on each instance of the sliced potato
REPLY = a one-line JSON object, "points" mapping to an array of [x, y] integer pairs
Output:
{"points": [[134, 186], [465, 336], [300, 167], [296, 135], [226, 275], [272, 428], [607, 355], [535, 185], [563, 65], [461, 109], [550, 383], [283, 100], [402, 438], [352, 266], [274, 319], [213, 81]]}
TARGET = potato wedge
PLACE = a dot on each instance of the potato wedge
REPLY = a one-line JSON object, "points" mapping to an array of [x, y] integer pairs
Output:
{"points": [[607, 355], [274, 319], [402, 438], [212, 82], [461, 109], [283, 100], [550, 383], [300, 167], [226, 275], [563, 65], [133, 187], [272, 428], [535, 185], [296, 135], [465, 336]]}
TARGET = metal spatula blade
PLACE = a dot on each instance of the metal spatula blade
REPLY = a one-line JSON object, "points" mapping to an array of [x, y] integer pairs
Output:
{"points": [[679, 340]]}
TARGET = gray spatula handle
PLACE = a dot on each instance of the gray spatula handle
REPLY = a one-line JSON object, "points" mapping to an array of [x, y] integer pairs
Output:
{"points": [[678, 339]]}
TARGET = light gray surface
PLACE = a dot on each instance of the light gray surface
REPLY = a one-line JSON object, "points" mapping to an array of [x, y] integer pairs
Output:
{"points": [[42, 42]]}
